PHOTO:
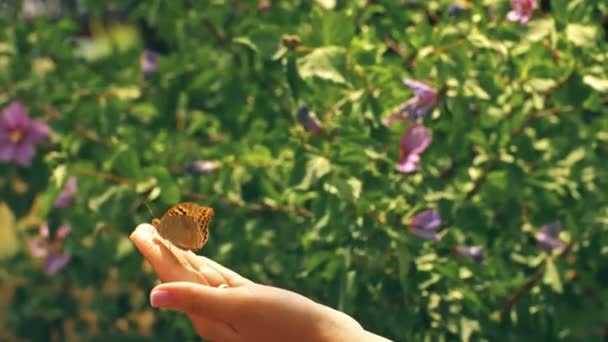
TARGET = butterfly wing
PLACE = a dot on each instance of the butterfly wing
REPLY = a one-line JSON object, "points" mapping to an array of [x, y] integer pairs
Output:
{"points": [[202, 216], [182, 231], [203, 219]]}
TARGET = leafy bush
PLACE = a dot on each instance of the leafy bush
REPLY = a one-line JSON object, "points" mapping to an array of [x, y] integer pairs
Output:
{"points": [[286, 108]]}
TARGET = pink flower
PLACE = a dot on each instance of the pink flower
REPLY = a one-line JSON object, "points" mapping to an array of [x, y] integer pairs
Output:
{"points": [[425, 224], [149, 62], [521, 11], [413, 143], [548, 237], [198, 167], [68, 194], [42, 246], [424, 99], [473, 252], [19, 135]]}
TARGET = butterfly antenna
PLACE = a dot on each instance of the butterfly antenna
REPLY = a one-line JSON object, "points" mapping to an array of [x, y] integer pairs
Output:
{"points": [[149, 209]]}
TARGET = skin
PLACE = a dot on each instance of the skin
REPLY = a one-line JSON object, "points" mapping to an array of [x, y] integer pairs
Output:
{"points": [[242, 311]]}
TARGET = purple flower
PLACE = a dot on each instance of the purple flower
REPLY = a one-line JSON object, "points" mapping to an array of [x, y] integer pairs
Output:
{"points": [[521, 11], [424, 99], [19, 135], [42, 246], [548, 237], [309, 121], [473, 252], [456, 9], [149, 62], [264, 6], [425, 224], [413, 142], [198, 167], [68, 194]]}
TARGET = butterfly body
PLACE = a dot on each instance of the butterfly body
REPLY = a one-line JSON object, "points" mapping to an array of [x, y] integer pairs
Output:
{"points": [[186, 225]]}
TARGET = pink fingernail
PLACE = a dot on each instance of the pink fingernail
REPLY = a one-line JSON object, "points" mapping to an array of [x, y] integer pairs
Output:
{"points": [[161, 298]]}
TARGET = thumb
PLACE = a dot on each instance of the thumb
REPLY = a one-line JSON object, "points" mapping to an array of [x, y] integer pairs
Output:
{"points": [[199, 300]]}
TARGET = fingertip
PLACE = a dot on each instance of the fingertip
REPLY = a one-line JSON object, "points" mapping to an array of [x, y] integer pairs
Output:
{"points": [[143, 231], [161, 298]]}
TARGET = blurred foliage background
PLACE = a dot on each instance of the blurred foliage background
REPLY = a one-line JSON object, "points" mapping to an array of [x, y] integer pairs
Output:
{"points": [[160, 102]]}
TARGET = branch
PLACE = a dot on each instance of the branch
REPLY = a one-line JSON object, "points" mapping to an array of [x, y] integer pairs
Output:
{"points": [[104, 176], [260, 207], [528, 285], [226, 201], [521, 291]]}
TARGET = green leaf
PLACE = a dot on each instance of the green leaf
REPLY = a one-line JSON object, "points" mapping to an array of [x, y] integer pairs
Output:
{"points": [[95, 203], [539, 29], [9, 245], [265, 40], [467, 328], [574, 157], [124, 248], [551, 276], [57, 179], [170, 193], [498, 179], [481, 41], [336, 28], [434, 279], [145, 112], [403, 262], [124, 162], [325, 63], [599, 84], [293, 77], [581, 35], [348, 190], [316, 167], [478, 137], [472, 88], [327, 4], [542, 84]]}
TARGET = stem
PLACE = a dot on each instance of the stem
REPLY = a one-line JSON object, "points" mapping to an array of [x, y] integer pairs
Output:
{"points": [[105, 176], [254, 206], [229, 202], [527, 286]]}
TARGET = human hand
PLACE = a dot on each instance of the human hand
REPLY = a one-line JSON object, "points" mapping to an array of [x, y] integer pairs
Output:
{"points": [[242, 311]]}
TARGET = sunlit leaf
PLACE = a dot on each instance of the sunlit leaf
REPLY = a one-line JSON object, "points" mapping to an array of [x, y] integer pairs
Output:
{"points": [[552, 277], [599, 84], [9, 245], [581, 35], [326, 63]]}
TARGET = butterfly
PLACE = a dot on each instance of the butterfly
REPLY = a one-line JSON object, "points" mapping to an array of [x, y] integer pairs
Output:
{"points": [[186, 225]]}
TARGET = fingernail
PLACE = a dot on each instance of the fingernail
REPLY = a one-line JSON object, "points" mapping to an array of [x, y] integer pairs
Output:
{"points": [[161, 298], [145, 229]]}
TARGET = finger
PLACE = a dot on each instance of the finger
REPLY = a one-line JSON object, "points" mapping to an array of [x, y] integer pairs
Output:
{"points": [[174, 264], [213, 330], [169, 263], [199, 300], [229, 276], [214, 273]]}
